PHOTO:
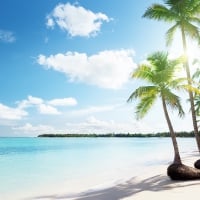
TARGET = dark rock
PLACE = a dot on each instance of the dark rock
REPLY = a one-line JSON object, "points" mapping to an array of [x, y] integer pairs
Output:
{"points": [[182, 172], [197, 164]]}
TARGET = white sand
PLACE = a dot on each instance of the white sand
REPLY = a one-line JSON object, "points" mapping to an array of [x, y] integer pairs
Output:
{"points": [[151, 183]]}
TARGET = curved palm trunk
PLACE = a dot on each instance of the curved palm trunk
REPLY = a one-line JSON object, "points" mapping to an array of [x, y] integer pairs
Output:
{"points": [[177, 158], [194, 120]]}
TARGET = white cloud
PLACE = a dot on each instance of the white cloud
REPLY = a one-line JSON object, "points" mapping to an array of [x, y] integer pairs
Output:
{"points": [[35, 129], [30, 101], [34, 100], [9, 113], [93, 125], [46, 107], [107, 69], [94, 109], [76, 20], [63, 102], [50, 22], [6, 36], [90, 125]]}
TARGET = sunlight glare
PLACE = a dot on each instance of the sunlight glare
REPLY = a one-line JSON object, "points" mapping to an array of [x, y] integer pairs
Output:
{"points": [[193, 52]]}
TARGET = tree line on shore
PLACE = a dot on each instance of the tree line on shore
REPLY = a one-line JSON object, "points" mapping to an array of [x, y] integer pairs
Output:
{"points": [[139, 135]]}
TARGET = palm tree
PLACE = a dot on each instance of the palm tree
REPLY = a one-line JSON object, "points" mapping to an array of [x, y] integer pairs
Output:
{"points": [[196, 76], [185, 15], [159, 73]]}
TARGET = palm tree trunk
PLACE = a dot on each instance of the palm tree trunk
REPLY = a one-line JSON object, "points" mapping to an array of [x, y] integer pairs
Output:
{"points": [[177, 158], [186, 65]]}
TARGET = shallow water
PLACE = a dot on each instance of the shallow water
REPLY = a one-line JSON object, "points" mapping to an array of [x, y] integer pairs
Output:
{"points": [[28, 165]]}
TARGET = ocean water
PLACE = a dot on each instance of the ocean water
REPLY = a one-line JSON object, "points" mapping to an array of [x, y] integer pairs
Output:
{"points": [[29, 166]]}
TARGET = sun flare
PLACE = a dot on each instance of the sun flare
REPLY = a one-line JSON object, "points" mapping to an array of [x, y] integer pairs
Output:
{"points": [[193, 52]]}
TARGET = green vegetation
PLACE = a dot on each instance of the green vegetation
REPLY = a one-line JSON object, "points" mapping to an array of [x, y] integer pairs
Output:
{"points": [[184, 15], [158, 73], [121, 135], [196, 79]]}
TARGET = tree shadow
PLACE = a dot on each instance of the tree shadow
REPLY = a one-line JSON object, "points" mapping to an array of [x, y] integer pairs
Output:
{"points": [[125, 189]]}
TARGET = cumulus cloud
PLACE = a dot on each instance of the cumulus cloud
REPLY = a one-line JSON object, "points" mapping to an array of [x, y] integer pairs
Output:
{"points": [[6, 36], [46, 107], [94, 109], [48, 110], [76, 20], [63, 102], [107, 69], [94, 125], [9, 113], [34, 129], [30, 101]]}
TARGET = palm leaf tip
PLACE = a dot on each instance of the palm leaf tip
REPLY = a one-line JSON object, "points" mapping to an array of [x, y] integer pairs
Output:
{"points": [[150, 12], [132, 97], [174, 102], [158, 12], [170, 33]]}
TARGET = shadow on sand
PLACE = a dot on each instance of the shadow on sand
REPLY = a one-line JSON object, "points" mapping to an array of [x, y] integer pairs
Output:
{"points": [[124, 189]]}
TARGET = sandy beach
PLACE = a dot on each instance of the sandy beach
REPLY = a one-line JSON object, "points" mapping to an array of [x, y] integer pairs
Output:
{"points": [[122, 169], [153, 183]]}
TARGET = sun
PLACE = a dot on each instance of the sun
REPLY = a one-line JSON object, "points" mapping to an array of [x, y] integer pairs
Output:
{"points": [[176, 49], [193, 52]]}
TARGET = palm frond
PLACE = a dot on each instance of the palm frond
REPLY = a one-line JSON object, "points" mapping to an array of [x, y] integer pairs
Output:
{"points": [[195, 7], [158, 59], [144, 106], [195, 19], [197, 104], [180, 6], [143, 91], [173, 101], [192, 31], [143, 72], [197, 73], [191, 88], [170, 33], [178, 83], [159, 12]]}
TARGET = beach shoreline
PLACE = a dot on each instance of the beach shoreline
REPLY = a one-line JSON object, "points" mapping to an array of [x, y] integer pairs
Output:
{"points": [[97, 169], [153, 183]]}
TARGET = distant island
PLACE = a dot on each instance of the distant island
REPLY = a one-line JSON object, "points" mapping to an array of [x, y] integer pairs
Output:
{"points": [[163, 134]]}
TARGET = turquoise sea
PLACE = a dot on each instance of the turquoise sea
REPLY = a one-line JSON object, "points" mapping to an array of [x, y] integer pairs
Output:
{"points": [[29, 166]]}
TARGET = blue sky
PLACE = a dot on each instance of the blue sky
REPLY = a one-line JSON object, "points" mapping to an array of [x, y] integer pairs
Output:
{"points": [[65, 66]]}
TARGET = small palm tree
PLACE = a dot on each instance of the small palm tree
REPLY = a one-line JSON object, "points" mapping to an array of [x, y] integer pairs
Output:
{"points": [[159, 73], [185, 15]]}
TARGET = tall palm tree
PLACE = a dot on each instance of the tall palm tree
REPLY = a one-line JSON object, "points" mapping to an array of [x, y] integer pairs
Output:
{"points": [[159, 73], [196, 77], [185, 15]]}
